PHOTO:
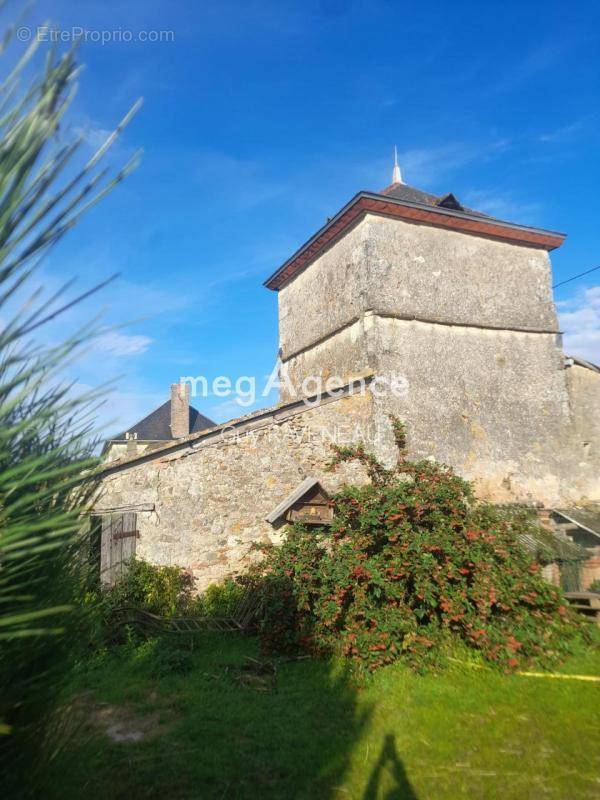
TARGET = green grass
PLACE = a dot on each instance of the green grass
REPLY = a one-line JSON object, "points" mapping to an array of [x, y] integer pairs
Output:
{"points": [[463, 732]]}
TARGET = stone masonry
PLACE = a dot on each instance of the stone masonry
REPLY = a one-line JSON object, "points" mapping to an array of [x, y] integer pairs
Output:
{"points": [[211, 493]]}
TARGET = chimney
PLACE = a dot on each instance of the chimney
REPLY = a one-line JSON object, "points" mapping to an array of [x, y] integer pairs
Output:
{"points": [[131, 443], [180, 410]]}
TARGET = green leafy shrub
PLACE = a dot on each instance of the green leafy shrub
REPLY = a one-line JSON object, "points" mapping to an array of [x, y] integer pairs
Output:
{"points": [[220, 599], [595, 586], [164, 591], [410, 564]]}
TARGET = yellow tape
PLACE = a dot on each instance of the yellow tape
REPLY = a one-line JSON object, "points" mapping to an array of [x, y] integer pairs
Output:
{"points": [[557, 675]]}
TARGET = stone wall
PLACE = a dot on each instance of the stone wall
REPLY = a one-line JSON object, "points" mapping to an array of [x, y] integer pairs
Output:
{"points": [[590, 571], [394, 267], [329, 293], [447, 276], [494, 404], [584, 387], [212, 493]]}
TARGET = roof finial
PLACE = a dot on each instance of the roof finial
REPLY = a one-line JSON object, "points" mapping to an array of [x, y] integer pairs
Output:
{"points": [[396, 174]]}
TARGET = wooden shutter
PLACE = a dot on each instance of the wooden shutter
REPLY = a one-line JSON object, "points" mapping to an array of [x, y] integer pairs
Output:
{"points": [[119, 535]]}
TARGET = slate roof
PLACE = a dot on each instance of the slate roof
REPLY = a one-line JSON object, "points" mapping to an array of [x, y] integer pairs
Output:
{"points": [[401, 191], [156, 426]]}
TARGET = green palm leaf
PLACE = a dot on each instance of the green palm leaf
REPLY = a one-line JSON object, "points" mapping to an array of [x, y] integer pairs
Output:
{"points": [[46, 434]]}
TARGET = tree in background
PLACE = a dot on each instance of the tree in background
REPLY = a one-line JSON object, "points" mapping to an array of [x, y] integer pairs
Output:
{"points": [[46, 433]]}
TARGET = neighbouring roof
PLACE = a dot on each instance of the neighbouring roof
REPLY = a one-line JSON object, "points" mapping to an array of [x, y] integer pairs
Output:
{"points": [[401, 201], [585, 517], [547, 547], [582, 363], [156, 427]]}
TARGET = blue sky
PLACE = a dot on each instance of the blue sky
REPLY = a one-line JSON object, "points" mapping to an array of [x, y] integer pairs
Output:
{"points": [[261, 119]]}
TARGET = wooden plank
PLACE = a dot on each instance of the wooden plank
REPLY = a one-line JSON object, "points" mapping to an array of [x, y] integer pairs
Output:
{"points": [[128, 539], [105, 546], [116, 548], [589, 599], [122, 509], [118, 545]]}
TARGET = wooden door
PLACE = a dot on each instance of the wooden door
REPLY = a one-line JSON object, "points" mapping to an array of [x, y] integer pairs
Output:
{"points": [[119, 535]]}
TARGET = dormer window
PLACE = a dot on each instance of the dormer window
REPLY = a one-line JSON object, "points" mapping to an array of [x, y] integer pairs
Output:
{"points": [[449, 201]]}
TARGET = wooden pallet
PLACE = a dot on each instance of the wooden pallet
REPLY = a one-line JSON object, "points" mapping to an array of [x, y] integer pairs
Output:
{"points": [[242, 619], [587, 603]]}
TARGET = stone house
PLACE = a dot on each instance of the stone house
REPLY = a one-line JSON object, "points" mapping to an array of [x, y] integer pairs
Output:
{"points": [[201, 502], [172, 420], [413, 305]]}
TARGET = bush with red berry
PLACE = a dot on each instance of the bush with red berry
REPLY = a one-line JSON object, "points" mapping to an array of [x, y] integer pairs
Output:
{"points": [[410, 565]]}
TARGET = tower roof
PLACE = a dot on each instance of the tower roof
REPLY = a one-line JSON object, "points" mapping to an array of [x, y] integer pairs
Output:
{"points": [[400, 201]]}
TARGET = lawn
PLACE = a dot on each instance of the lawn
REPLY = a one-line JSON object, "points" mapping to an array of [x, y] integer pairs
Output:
{"points": [[223, 730]]}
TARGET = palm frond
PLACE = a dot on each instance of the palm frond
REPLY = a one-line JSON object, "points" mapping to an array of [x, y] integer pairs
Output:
{"points": [[47, 435]]}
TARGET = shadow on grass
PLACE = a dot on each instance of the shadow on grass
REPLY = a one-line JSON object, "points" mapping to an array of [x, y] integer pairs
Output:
{"points": [[218, 735], [389, 762]]}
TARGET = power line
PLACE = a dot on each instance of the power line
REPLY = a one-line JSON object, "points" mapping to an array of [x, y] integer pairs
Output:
{"points": [[574, 278]]}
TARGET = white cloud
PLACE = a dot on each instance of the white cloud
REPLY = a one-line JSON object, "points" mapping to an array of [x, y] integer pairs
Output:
{"points": [[121, 344], [116, 410], [218, 172], [427, 166], [580, 320], [502, 205], [95, 137], [562, 134]]}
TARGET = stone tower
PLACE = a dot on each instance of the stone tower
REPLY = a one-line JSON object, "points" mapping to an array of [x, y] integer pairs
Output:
{"points": [[459, 306]]}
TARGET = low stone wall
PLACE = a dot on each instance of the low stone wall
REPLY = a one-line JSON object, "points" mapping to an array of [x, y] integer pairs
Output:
{"points": [[211, 498], [590, 570]]}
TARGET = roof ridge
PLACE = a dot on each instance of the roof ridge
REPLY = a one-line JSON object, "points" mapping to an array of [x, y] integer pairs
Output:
{"points": [[306, 403]]}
